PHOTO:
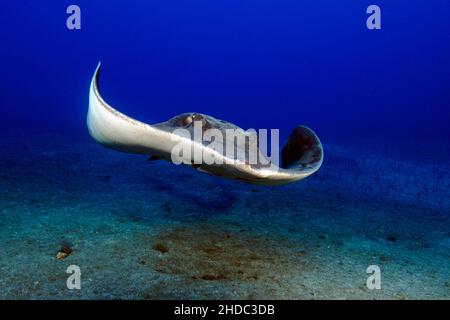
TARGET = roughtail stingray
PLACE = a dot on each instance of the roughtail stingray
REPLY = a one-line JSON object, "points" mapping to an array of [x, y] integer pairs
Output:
{"points": [[301, 156]]}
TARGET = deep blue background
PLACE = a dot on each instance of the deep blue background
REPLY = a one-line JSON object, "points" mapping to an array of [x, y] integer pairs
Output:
{"points": [[257, 63]]}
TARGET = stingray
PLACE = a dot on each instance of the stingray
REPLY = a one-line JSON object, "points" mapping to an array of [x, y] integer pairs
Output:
{"points": [[301, 156]]}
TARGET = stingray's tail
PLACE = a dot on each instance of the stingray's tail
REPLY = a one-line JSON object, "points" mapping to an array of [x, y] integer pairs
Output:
{"points": [[302, 151]]}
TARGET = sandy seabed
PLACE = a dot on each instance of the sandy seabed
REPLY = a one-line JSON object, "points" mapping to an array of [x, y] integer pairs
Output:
{"points": [[152, 230]]}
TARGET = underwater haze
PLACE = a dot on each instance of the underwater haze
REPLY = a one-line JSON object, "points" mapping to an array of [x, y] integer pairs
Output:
{"points": [[379, 100]]}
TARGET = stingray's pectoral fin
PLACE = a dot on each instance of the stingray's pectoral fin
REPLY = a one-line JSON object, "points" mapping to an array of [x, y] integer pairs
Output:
{"points": [[115, 130], [302, 151]]}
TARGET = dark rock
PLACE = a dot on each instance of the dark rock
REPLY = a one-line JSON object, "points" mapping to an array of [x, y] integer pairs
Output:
{"points": [[161, 248], [66, 246]]}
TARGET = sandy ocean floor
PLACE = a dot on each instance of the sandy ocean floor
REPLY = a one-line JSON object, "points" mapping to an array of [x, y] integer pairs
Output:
{"points": [[152, 230]]}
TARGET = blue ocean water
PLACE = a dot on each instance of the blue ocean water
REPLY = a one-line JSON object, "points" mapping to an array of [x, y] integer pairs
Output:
{"points": [[260, 64], [378, 99]]}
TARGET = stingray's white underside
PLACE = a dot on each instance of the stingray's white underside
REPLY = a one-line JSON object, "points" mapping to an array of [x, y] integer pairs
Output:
{"points": [[115, 130]]}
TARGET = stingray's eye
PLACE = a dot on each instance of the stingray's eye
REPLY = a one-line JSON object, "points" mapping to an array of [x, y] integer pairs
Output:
{"points": [[197, 117], [185, 121]]}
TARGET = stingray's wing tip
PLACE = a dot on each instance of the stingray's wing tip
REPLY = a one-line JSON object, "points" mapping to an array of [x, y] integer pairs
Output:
{"points": [[97, 70], [303, 150]]}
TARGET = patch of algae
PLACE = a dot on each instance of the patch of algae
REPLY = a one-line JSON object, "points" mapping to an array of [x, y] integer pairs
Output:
{"points": [[208, 253]]}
